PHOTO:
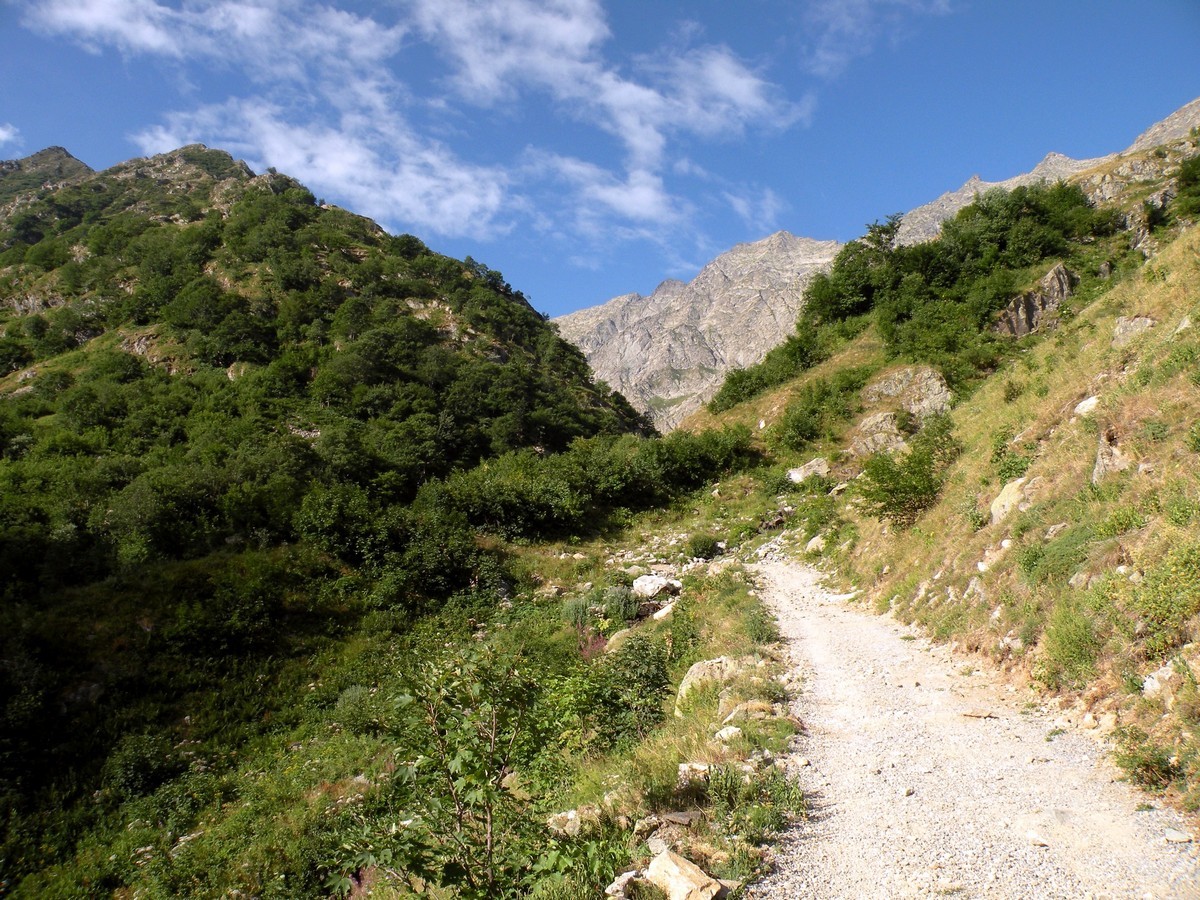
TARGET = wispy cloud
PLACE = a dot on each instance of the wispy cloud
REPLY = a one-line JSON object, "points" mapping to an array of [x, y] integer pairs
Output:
{"points": [[377, 167], [759, 208], [500, 47], [841, 31], [9, 134], [359, 141]]}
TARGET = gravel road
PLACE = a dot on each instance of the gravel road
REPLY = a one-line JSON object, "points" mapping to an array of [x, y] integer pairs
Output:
{"points": [[913, 794]]}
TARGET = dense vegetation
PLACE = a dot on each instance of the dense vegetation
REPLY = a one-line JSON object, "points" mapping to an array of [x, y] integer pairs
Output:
{"points": [[933, 302], [245, 438]]}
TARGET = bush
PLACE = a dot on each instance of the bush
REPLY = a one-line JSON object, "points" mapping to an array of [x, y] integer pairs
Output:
{"points": [[1169, 596], [1054, 563], [900, 487], [1070, 646], [139, 764], [756, 807], [703, 546], [619, 603], [1146, 763]]}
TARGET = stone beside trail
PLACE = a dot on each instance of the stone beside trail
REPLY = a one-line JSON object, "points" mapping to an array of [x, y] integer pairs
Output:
{"points": [[924, 780]]}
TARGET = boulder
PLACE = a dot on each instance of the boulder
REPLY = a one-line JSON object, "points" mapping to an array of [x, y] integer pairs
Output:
{"points": [[618, 638], [818, 466], [752, 709], [816, 545], [921, 390], [647, 587], [1007, 500], [692, 773], [1087, 407], [728, 733], [619, 889], [1129, 327], [721, 669], [1027, 312], [565, 824], [664, 613], [876, 433], [1109, 458], [680, 879], [1164, 683]]}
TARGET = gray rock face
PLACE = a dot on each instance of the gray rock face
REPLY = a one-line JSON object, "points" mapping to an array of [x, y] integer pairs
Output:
{"points": [[1027, 312], [1175, 126], [877, 433], [1129, 327], [1109, 458], [669, 352], [920, 390]]}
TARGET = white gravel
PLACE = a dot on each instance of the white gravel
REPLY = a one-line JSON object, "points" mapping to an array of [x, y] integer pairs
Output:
{"points": [[911, 797]]}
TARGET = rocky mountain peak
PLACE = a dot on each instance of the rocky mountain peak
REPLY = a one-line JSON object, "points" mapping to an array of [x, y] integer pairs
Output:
{"points": [[52, 166], [669, 352]]}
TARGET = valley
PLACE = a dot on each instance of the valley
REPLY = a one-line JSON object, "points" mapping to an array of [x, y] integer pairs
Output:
{"points": [[332, 569]]}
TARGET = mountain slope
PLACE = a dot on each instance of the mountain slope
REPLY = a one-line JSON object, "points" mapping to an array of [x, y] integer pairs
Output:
{"points": [[52, 166], [924, 222], [668, 352], [1048, 521]]}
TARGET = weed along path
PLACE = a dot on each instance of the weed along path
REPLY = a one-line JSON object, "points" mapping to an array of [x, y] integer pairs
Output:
{"points": [[925, 780]]}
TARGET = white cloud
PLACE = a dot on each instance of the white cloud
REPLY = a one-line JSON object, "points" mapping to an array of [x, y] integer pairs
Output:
{"points": [[323, 101], [759, 210], [381, 170], [843, 30], [553, 46], [272, 40], [9, 134]]}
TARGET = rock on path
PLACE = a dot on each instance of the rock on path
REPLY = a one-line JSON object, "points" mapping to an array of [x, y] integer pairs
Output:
{"points": [[926, 781]]}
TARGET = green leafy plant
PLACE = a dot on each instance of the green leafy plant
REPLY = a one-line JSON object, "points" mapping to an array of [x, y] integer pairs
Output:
{"points": [[899, 488]]}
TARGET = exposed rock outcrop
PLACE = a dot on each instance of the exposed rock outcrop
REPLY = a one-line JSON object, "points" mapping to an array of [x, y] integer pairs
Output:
{"points": [[920, 390], [1109, 458], [1027, 312], [669, 352], [877, 433], [1129, 327], [818, 466]]}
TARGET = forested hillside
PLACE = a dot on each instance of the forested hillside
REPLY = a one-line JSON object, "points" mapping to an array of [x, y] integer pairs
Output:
{"points": [[257, 458]]}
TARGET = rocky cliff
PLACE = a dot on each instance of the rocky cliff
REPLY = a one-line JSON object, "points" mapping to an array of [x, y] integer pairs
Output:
{"points": [[669, 352]]}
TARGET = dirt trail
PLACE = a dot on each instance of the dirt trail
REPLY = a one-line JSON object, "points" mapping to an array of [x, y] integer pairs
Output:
{"points": [[913, 795]]}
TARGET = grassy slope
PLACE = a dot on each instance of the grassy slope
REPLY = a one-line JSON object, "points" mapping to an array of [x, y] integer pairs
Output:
{"points": [[1003, 590]]}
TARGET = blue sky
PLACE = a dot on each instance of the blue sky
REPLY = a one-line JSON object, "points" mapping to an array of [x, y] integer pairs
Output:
{"points": [[588, 148]]}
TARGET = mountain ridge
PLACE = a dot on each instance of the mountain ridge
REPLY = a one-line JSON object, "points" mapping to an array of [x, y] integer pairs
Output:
{"points": [[669, 382], [668, 351]]}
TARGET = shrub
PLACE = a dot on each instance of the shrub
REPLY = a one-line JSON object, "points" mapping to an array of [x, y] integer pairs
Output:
{"points": [[899, 488], [1054, 563], [756, 807], [619, 603], [703, 546], [1169, 596], [634, 683], [139, 764], [1070, 646], [1146, 763], [1192, 440]]}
